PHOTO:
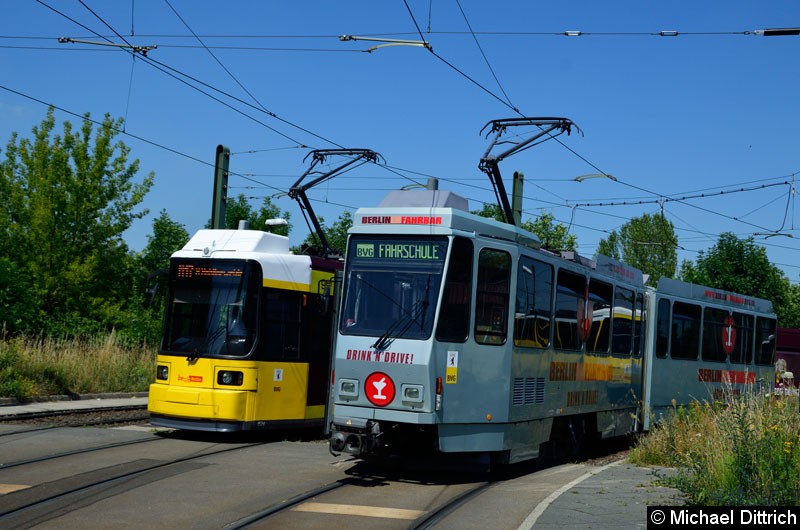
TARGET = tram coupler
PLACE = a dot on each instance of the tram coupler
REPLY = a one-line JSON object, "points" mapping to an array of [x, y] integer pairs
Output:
{"points": [[355, 436]]}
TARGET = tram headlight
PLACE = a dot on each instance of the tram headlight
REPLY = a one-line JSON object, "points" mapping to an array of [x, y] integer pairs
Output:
{"points": [[413, 395], [348, 389], [230, 378], [162, 372]]}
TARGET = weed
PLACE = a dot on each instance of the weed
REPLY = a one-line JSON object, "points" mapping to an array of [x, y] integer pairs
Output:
{"points": [[743, 451], [40, 366]]}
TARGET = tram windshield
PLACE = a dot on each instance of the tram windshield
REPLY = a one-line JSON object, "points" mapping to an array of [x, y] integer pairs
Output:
{"points": [[212, 308], [392, 284]]}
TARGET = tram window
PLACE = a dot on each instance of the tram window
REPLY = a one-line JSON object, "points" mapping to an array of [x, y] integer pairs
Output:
{"points": [[685, 331], [491, 303], [622, 327], [212, 307], [765, 341], [638, 325], [281, 324], [534, 304], [599, 315], [716, 337], [745, 332], [570, 308], [662, 328], [453, 323], [391, 286]]}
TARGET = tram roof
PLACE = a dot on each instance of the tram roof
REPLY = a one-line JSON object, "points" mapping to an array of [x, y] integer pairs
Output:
{"points": [[440, 212], [270, 250], [670, 286], [210, 241], [433, 212]]}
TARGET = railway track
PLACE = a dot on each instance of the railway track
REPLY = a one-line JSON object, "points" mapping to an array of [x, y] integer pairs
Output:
{"points": [[277, 484], [50, 500], [99, 416], [311, 508]]}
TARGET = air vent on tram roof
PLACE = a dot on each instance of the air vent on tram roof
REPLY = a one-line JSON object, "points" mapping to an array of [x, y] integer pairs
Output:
{"points": [[425, 199], [571, 255]]}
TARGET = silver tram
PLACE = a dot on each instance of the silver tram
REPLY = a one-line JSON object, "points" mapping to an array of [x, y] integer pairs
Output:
{"points": [[459, 334]]}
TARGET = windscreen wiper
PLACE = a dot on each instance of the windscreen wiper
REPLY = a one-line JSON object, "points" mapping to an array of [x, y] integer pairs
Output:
{"points": [[197, 353], [409, 318]]}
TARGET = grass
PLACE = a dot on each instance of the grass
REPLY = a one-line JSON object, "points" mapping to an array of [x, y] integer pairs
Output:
{"points": [[744, 451], [41, 366]]}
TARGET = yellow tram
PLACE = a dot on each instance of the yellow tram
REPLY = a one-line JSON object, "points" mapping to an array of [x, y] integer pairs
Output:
{"points": [[247, 335]]}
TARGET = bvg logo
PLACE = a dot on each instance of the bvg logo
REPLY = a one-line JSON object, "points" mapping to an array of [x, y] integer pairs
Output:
{"points": [[365, 250]]}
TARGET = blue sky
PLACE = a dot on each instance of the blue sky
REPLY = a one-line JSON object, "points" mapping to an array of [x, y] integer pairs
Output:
{"points": [[712, 111]]}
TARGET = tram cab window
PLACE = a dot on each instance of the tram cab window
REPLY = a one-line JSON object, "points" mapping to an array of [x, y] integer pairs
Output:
{"points": [[663, 319], [212, 307], [492, 293], [453, 323], [622, 327], [392, 286], [765, 341], [685, 342], [570, 311], [534, 304], [598, 314]]}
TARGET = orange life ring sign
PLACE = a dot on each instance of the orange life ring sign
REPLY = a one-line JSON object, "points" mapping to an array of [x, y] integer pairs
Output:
{"points": [[728, 335]]}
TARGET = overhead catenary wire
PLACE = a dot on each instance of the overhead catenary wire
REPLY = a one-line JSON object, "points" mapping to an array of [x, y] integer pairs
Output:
{"points": [[597, 34], [179, 76], [396, 170]]}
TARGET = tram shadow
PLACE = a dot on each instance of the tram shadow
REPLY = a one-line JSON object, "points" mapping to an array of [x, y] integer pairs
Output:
{"points": [[309, 434], [464, 467]]}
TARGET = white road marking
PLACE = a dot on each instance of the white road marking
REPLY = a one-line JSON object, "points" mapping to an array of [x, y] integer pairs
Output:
{"points": [[10, 488], [353, 509], [529, 521]]}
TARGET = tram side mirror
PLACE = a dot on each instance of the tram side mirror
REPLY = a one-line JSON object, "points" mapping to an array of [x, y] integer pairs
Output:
{"points": [[153, 284], [324, 301]]}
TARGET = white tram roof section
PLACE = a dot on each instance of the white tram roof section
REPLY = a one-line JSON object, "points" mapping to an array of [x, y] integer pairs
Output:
{"points": [[270, 250], [437, 213]]}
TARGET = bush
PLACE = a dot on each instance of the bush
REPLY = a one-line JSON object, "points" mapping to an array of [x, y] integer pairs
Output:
{"points": [[741, 452], [43, 366]]}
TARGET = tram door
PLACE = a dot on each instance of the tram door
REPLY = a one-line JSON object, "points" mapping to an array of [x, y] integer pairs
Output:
{"points": [[476, 369]]}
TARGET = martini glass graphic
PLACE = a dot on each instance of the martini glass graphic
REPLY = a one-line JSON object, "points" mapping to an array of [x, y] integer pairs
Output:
{"points": [[379, 386]]}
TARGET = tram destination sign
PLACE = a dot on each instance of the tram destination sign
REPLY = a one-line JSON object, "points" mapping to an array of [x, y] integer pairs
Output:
{"points": [[193, 270], [400, 251]]}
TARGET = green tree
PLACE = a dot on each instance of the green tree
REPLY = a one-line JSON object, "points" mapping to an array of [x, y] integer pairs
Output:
{"points": [[239, 208], [145, 312], [336, 234], [19, 305], [648, 243], [168, 236], [553, 236], [741, 266], [491, 211], [69, 199], [611, 247], [789, 316]]}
